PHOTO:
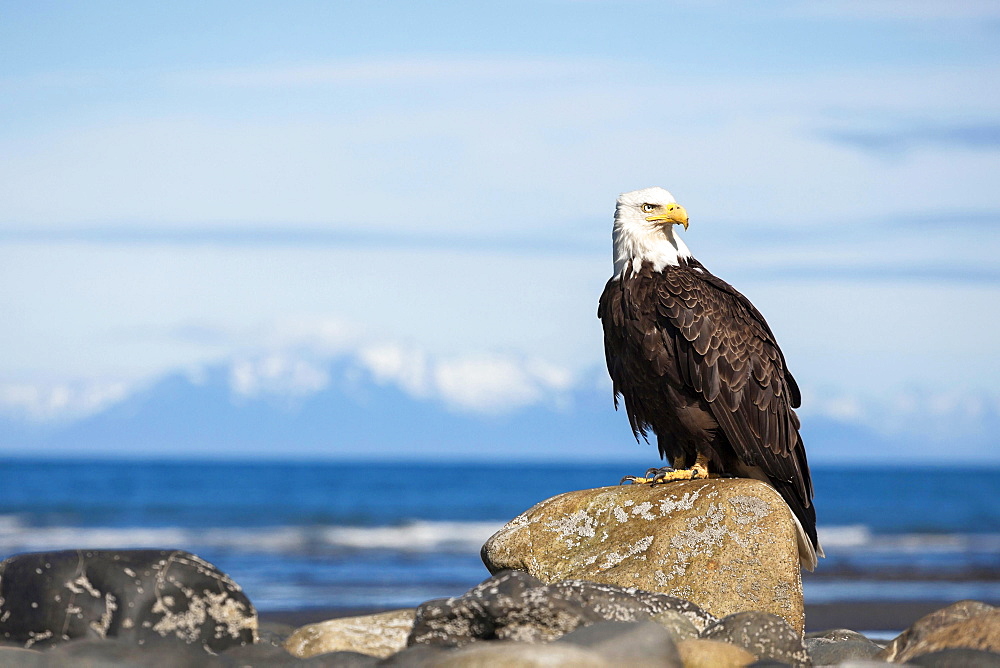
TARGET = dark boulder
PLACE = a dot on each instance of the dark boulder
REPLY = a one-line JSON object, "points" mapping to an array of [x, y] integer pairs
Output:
{"points": [[836, 646], [957, 658], [628, 643], [134, 596], [766, 636], [961, 625], [518, 607]]}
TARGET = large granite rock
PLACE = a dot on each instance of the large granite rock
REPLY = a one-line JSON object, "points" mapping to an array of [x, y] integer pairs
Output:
{"points": [[971, 625], [134, 596], [728, 545], [376, 635]]}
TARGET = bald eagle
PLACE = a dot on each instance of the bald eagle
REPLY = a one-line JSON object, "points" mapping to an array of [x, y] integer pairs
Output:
{"points": [[697, 365]]}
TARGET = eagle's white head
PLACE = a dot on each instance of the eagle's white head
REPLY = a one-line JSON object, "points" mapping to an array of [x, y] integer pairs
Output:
{"points": [[644, 230]]}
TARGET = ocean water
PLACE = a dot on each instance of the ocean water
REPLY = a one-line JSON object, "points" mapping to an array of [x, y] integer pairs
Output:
{"points": [[377, 535]]}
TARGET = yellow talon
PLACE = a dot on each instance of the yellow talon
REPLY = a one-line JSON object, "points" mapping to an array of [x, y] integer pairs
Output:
{"points": [[635, 480], [697, 472]]}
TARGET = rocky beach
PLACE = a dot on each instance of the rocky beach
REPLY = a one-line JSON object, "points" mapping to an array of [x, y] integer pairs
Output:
{"points": [[699, 573]]}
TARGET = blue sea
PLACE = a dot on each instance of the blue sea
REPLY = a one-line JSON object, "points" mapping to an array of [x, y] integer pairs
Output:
{"points": [[379, 535]]}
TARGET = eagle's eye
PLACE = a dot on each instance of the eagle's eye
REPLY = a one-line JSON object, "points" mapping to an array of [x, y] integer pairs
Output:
{"points": [[647, 207]]}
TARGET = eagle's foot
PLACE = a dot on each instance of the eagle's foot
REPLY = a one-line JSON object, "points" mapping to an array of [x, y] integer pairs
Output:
{"points": [[667, 474]]}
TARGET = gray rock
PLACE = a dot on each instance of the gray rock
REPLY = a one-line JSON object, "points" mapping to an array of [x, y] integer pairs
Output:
{"points": [[137, 596], [941, 629], [535, 617], [417, 656], [335, 660], [499, 600], [23, 658], [260, 654], [630, 603], [378, 635], [701, 653], [628, 643], [515, 606], [542, 615], [449, 622], [270, 652], [958, 658], [114, 653], [834, 653], [506, 654], [766, 636], [677, 624], [274, 633], [835, 635], [838, 645]]}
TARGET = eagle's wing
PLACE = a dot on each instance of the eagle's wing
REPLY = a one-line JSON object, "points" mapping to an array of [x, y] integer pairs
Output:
{"points": [[726, 352]]}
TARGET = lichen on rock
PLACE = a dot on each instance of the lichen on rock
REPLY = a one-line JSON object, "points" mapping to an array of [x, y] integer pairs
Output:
{"points": [[128, 595], [728, 545]]}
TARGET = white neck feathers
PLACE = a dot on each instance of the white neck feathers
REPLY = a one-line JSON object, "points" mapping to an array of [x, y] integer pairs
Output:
{"points": [[637, 240]]}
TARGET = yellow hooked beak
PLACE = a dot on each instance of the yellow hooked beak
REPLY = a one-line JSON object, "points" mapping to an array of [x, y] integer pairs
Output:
{"points": [[674, 214]]}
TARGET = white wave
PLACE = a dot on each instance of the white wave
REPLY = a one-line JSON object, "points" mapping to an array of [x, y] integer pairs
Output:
{"points": [[37, 539], [895, 590], [413, 537], [860, 538], [416, 536], [844, 536], [9, 522]]}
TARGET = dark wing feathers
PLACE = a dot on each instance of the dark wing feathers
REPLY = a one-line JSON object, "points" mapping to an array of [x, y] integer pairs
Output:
{"points": [[725, 351], [693, 330]]}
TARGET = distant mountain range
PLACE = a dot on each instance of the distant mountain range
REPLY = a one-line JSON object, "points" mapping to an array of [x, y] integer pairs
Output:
{"points": [[355, 415]]}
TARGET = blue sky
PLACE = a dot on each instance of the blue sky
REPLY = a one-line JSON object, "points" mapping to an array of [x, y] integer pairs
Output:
{"points": [[428, 188]]}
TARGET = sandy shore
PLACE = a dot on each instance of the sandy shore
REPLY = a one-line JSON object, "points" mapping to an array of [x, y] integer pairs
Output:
{"points": [[865, 616]]}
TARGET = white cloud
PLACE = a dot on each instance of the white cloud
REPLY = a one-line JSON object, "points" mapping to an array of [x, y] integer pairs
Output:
{"points": [[489, 384], [392, 363], [41, 402], [277, 375], [924, 415], [322, 335], [486, 384]]}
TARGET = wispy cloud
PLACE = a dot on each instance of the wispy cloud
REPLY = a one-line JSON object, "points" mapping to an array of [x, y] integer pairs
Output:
{"points": [[893, 248], [896, 10], [925, 415], [590, 240], [410, 70], [978, 137]]}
